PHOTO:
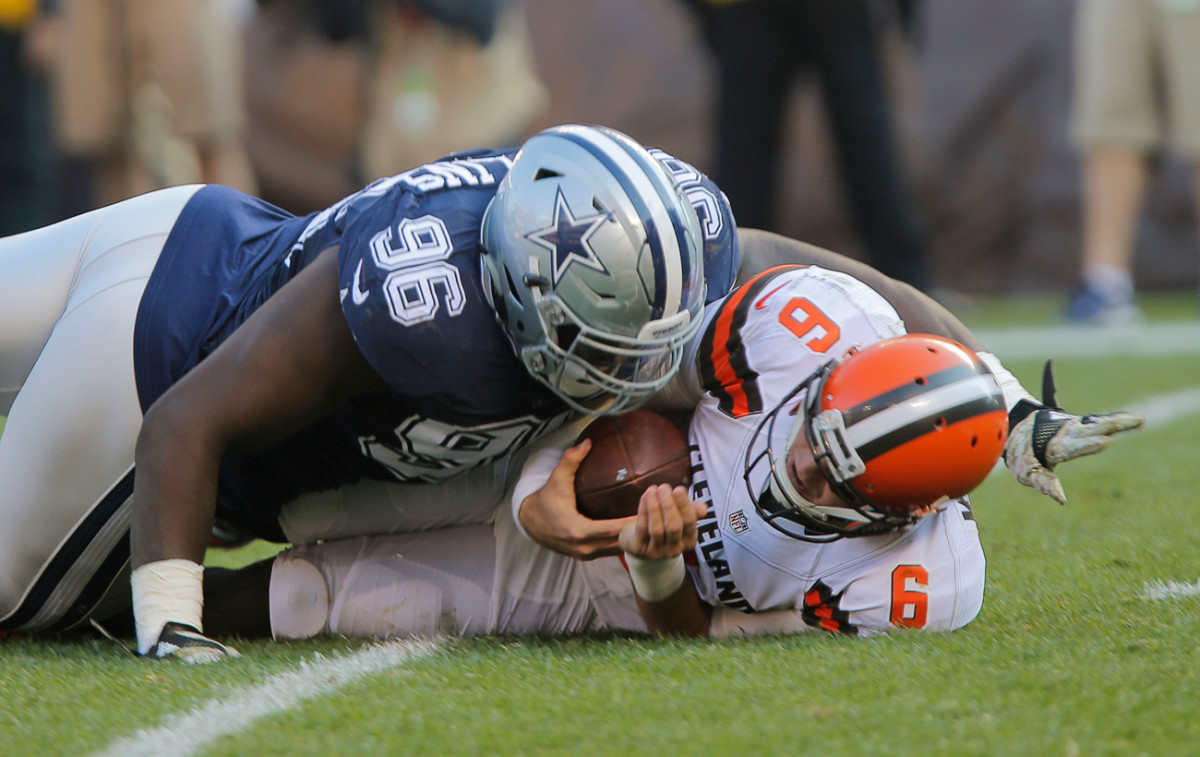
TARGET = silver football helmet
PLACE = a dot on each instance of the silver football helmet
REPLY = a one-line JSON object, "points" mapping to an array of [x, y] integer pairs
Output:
{"points": [[596, 267]]}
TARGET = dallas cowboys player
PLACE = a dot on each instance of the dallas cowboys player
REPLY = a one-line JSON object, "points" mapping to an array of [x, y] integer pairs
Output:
{"points": [[274, 356]]}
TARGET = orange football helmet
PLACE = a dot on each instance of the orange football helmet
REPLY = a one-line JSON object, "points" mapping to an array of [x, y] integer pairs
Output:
{"points": [[896, 427]]}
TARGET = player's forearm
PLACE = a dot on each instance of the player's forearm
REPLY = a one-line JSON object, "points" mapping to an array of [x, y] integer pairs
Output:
{"points": [[922, 314], [173, 502], [680, 614], [174, 493], [667, 599]]}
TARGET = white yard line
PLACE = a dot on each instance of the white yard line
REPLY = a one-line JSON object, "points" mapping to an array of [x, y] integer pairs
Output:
{"points": [[1170, 590], [1177, 338], [190, 733], [1165, 409]]}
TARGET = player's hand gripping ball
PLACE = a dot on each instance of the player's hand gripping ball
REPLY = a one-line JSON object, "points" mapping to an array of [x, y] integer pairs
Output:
{"points": [[629, 453]]}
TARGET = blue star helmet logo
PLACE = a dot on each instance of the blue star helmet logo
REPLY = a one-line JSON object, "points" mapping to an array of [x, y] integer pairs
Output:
{"points": [[567, 238]]}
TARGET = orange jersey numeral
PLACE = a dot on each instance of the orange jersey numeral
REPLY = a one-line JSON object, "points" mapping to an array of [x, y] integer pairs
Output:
{"points": [[910, 596], [813, 322]]}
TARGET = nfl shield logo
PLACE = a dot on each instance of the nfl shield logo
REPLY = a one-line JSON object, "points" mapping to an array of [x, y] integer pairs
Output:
{"points": [[738, 522]]}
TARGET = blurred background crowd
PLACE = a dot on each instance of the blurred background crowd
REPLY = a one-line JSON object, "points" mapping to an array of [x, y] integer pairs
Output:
{"points": [[940, 140]]}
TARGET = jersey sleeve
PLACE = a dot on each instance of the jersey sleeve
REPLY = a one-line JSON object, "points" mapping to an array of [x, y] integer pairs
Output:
{"points": [[376, 324], [722, 254], [408, 273]]}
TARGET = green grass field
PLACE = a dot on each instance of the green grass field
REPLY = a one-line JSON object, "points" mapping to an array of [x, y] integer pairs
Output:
{"points": [[1071, 655]]}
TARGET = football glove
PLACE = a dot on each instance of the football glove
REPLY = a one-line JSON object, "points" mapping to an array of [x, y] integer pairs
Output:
{"points": [[1042, 436], [179, 641]]}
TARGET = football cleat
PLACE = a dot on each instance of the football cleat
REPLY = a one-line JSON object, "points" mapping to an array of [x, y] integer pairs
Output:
{"points": [[179, 641]]}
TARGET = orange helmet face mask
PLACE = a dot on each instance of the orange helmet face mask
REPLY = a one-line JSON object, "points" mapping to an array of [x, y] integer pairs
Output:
{"points": [[895, 427]]}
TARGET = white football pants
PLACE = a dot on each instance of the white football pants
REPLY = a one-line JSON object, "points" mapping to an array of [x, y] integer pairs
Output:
{"points": [[462, 581], [69, 296]]}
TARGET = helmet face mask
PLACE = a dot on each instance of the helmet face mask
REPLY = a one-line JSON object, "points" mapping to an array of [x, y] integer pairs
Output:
{"points": [[596, 372], [595, 264], [895, 429]]}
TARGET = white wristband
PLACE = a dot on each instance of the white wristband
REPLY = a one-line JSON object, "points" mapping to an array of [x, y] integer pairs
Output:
{"points": [[655, 580], [533, 477], [166, 591], [1013, 391]]}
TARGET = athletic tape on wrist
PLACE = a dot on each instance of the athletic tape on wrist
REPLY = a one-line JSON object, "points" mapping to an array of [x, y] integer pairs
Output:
{"points": [[655, 580], [164, 591]]}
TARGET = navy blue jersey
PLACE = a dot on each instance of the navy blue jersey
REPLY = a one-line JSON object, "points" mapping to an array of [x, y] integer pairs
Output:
{"points": [[412, 292]]}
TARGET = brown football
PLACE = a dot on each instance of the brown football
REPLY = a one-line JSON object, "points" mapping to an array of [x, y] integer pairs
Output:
{"points": [[629, 453]]}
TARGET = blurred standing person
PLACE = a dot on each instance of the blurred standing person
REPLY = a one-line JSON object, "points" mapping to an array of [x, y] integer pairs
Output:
{"points": [[343, 91], [442, 77], [148, 93], [27, 197], [1137, 89], [760, 47]]}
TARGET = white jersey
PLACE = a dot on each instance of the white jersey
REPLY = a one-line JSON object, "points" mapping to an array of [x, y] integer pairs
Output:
{"points": [[760, 343]]}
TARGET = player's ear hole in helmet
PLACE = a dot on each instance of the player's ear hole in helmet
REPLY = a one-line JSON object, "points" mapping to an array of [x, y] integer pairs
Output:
{"points": [[594, 263], [895, 428]]}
